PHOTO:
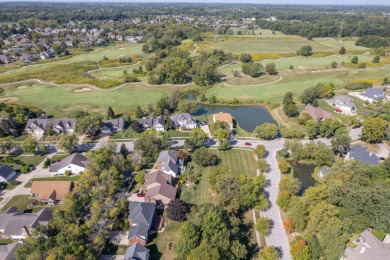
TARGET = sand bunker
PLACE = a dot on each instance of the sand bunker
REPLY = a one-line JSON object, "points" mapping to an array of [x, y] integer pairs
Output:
{"points": [[82, 90], [8, 99], [22, 87]]}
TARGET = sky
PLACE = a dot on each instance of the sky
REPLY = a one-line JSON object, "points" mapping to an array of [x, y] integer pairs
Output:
{"points": [[310, 2]]}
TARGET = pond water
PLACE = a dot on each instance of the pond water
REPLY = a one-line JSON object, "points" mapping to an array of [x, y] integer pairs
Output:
{"points": [[303, 172], [248, 117]]}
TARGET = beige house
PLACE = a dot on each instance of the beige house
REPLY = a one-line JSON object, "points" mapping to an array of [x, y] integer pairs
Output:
{"points": [[158, 188]]}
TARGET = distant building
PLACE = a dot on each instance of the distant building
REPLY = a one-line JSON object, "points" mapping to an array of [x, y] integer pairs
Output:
{"points": [[224, 117], [344, 104], [74, 163], [317, 113], [368, 247], [361, 154], [37, 126], [64, 125], [373, 95]]}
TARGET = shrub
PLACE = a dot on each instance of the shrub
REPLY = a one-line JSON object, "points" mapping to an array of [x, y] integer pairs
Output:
{"points": [[284, 166], [263, 225], [333, 65], [67, 173], [355, 60]]}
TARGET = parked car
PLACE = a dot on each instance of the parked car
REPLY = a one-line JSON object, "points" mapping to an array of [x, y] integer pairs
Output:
{"points": [[140, 195], [248, 144]]}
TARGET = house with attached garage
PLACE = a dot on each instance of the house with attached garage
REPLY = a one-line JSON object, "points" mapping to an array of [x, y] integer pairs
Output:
{"points": [[158, 188], [7, 173], [169, 162], [50, 192], [74, 164], [140, 221], [64, 125], [156, 122], [113, 126], [224, 117], [18, 225], [343, 104], [137, 252], [184, 120], [317, 113], [373, 95], [37, 126], [361, 154]]}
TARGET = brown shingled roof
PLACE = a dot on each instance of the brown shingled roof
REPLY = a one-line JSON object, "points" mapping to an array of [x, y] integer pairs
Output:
{"points": [[223, 117], [55, 190]]}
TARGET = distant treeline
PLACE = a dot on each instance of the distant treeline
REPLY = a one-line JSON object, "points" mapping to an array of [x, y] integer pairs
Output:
{"points": [[373, 41]]}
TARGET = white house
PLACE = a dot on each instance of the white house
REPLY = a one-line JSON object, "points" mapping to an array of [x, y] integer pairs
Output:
{"points": [[64, 125], [37, 126], [74, 163], [169, 162], [343, 104], [373, 95], [7, 173], [157, 123], [184, 120]]}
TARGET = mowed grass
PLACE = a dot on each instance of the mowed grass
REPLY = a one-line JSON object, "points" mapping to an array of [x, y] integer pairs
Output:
{"points": [[62, 100], [236, 160], [289, 44], [19, 201], [162, 246]]}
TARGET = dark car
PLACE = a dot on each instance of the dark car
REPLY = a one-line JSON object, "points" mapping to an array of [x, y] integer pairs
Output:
{"points": [[248, 144]]}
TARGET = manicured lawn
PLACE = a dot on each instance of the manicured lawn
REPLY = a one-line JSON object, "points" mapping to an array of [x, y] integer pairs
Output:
{"points": [[33, 160], [60, 101], [19, 201], [380, 234], [173, 133], [5, 241], [237, 161], [325, 106], [56, 178], [161, 247], [9, 185]]}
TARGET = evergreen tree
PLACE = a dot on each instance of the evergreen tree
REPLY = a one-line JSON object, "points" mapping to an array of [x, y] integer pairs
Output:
{"points": [[110, 112], [139, 113], [342, 50]]}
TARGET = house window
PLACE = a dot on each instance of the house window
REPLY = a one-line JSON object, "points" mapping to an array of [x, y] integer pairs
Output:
{"points": [[69, 167]]}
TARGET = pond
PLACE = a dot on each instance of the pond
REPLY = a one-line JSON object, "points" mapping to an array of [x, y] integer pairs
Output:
{"points": [[303, 172], [248, 117]]}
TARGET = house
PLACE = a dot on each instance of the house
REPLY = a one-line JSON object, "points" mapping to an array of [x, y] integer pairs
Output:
{"points": [[64, 125], [46, 55], [113, 126], [343, 104], [323, 172], [7, 252], [140, 221], [158, 188], [37, 126], [7, 173], [373, 95], [368, 247], [50, 192], [6, 59], [185, 120], [168, 162], [137, 251], [224, 117], [317, 113], [69, 44], [360, 154], [18, 225], [74, 163], [156, 122]]}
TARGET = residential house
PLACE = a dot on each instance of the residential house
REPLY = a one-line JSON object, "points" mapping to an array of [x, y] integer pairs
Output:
{"points": [[360, 154], [368, 247], [343, 104], [50, 192], [18, 225], [46, 55], [323, 172], [113, 126], [169, 162], [137, 252], [158, 188], [7, 252], [64, 125], [37, 126], [156, 122], [373, 95], [224, 117], [140, 221], [6, 59], [74, 163], [185, 120], [7, 173], [69, 44], [317, 113]]}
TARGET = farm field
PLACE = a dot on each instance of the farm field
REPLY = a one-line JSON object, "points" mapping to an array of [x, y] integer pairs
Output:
{"points": [[236, 160]]}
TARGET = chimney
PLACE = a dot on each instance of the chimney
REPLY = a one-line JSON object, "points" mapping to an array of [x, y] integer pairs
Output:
{"points": [[25, 231]]}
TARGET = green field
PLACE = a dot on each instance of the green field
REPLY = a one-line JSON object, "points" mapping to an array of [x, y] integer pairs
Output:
{"points": [[19, 201], [61, 100], [237, 161], [115, 72]]}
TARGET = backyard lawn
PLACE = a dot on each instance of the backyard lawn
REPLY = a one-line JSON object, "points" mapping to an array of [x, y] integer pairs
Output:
{"points": [[19, 201], [237, 161]]}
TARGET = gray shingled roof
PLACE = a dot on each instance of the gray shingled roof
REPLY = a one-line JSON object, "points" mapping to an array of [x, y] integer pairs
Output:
{"points": [[40, 123], [181, 117], [360, 154], [118, 123], [152, 121], [137, 252], [343, 100], [374, 93], [6, 171], [7, 252], [141, 215], [169, 159], [368, 248], [12, 221], [76, 159], [65, 124]]}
